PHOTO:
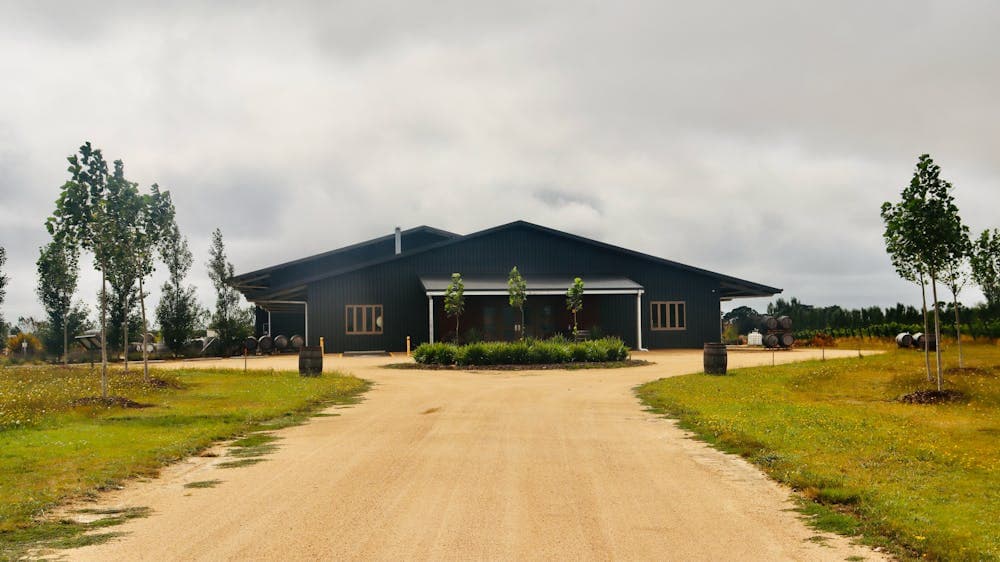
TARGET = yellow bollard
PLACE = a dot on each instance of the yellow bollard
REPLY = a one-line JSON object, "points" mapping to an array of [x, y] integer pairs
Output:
{"points": [[407, 346], [322, 348]]}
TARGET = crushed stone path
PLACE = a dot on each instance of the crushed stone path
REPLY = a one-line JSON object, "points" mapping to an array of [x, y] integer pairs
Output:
{"points": [[453, 465]]}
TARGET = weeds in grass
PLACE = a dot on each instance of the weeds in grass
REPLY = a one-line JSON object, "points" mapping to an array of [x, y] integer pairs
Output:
{"points": [[241, 463], [34, 541], [203, 484]]}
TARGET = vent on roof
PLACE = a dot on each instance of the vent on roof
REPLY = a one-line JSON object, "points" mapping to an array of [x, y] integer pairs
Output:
{"points": [[399, 241]]}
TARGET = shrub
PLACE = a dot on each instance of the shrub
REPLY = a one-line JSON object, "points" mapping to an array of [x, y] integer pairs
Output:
{"points": [[528, 352], [435, 353], [14, 344]]}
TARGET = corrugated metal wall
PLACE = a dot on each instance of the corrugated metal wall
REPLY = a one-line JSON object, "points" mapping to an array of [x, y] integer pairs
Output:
{"points": [[396, 286]]}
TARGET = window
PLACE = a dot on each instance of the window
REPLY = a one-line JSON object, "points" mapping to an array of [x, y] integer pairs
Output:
{"points": [[668, 315], [363, 319]]}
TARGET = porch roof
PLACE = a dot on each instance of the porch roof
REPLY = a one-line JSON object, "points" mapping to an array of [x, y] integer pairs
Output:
{"points": [[436, 286]]}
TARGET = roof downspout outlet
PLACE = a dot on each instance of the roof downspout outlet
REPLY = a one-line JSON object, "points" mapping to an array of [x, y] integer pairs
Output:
{"points": [[399, 241]]}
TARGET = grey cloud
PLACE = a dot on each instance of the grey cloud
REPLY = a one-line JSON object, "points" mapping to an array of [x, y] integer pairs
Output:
{"points": [[754, 140]]}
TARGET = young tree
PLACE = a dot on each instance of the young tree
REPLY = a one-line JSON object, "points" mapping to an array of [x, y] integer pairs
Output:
{"points": [[85, 218], [231, 322], [934, 231], [58, 267], [178, 311], [900, 244], [574, 300], [517, 290], [454, 300], [3, 290], [985, 261]]}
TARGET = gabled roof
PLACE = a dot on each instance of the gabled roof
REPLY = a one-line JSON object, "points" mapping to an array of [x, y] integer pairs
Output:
{"points": [[260, 284], [731, 286]]}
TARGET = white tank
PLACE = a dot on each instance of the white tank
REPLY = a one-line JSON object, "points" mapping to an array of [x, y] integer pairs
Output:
{"points": [[755, 338]]}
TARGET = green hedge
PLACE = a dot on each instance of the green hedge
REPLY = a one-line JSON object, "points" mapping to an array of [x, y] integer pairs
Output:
{"points": [[530, 352]]}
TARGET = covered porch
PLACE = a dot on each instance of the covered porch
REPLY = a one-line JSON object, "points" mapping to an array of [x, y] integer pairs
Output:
{"points": [[612, 306]]}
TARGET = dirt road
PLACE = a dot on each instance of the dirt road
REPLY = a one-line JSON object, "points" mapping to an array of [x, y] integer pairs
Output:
{"points": [[478, 466]]}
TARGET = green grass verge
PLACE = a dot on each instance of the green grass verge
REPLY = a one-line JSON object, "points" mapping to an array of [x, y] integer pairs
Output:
{"points": [[55, 447], [921, 479]]}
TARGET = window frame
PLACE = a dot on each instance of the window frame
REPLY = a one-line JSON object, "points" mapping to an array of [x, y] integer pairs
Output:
{"points": [[360, 312], [661, 323]]}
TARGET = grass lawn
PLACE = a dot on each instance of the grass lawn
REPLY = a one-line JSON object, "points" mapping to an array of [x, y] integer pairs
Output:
{"points": [[920, 479], [54, 446]]}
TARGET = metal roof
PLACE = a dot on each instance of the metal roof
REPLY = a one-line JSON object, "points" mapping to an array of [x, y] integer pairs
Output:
{"points": [[535, 285]]}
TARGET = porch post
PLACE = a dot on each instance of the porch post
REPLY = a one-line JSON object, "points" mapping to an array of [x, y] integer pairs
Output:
{"points": [[307, 321], [268, 323], [430, 319], [638, 321]]}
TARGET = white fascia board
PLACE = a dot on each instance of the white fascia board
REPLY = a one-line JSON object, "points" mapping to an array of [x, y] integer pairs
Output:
{"points": [[543, 292]]}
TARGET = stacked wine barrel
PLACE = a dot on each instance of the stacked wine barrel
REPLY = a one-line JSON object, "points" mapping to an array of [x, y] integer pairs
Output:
{"points": [[777, 331], [278, 344]]}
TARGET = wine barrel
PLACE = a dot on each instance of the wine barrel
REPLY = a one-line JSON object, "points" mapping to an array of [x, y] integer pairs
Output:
{"points": [[311, 361], [785, 322], [250, 344], [786, 339], [280, 342], [769, 323], [918, 341], [266, 344], [770, 340], [904, 339], [715, 358], [296, 342]]}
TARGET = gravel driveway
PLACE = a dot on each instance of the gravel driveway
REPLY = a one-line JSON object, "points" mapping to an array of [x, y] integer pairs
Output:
{"points": [[446, 465]]}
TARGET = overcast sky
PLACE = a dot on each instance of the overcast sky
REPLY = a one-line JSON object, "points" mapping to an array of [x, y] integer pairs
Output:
{"points": [[754, 139]]}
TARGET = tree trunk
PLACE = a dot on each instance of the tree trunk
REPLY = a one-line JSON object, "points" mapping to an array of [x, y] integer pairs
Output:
{"points": [[457, 317], [65, 340], [958, 327], [125, 331], [145, 330], [927, 353], [937, 330], [522, 322], [104, 335]]}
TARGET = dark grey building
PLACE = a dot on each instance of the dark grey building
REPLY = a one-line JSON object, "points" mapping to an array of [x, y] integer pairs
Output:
{"points": [[372, 295]]}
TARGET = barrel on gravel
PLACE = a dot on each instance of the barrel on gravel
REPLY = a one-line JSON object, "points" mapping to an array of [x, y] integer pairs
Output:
{"points": [[250, 344], [280, 342], [904, 339], [266, 344], [296, 342], [786, 339], [311, 361], [770, 341], [716, 359]]}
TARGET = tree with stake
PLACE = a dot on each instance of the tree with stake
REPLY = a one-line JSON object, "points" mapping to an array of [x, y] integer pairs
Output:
{"points": [[985, 261], [178, 311], [58, 268], [84, 218], [454, 300], [155, 221], [931, 222], [901, 239], [574, 301], [517, 290]]}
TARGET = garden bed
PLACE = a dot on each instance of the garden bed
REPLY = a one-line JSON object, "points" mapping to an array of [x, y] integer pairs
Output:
{"points": [[555, 351], [539, 367]]}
